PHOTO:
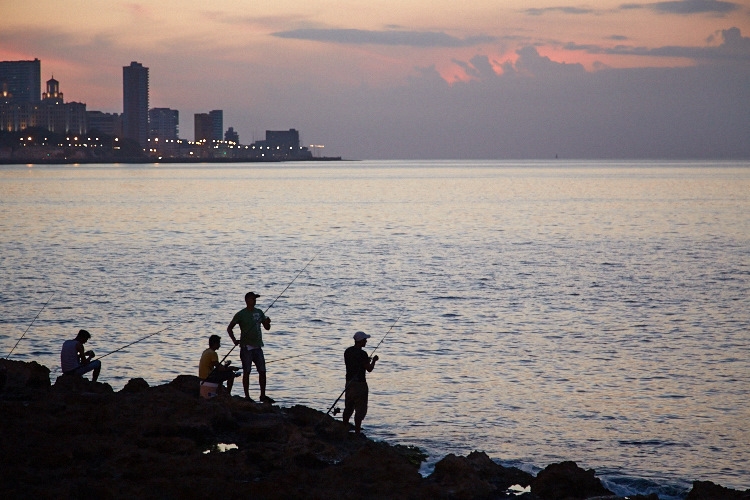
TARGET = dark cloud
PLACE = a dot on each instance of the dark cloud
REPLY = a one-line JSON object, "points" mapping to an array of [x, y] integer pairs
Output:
{"points": [[537, 108], [734, 47], [387, 37], [686, 7], [564, 10]]}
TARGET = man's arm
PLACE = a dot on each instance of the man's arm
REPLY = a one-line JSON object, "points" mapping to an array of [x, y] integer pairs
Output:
{"points": [[370, 364], [81, 354], [266, 322], [230, 331]]}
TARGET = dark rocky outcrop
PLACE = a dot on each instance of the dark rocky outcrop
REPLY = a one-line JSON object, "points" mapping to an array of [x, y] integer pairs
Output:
{"points": [[79, 439], [706, 490], [567, 481]]}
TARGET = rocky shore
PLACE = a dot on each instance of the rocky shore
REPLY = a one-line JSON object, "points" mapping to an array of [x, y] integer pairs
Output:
{"points": [[75, 439]]}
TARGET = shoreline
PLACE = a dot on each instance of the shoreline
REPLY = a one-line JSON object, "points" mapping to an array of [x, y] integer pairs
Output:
{"points": [[77, 438], [142, 161]]}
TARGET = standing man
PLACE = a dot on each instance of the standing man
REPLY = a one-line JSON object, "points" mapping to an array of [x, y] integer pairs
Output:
{"points": [[357, 364], [73, 359], [209, 368], [251, 343]]}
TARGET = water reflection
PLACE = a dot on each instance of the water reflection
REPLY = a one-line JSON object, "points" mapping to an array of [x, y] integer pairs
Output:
{"points": [[549, 313]]}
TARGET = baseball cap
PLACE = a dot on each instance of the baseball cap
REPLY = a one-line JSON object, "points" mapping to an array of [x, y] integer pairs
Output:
{"points": [[360, 336]]}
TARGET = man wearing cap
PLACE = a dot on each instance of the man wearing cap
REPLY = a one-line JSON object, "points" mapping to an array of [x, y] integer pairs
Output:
{"points": [[251, 343], [357, 364], [73, 359]]}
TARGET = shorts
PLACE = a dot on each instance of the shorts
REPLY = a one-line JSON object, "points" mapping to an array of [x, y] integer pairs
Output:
{"points": [[85, 368], [356, 399], [250, 356], [217, 377]]}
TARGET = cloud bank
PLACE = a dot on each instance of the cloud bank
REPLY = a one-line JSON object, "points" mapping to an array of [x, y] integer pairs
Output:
{"points": [[386, 37]]}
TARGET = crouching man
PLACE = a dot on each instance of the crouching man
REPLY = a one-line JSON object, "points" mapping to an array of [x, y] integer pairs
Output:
{"points": [[210, 370], [75, 361]]}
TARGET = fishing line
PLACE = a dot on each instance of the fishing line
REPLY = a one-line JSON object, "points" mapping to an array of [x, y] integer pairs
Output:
{"points": [[32, 322], [128, 345], [284, 359]]}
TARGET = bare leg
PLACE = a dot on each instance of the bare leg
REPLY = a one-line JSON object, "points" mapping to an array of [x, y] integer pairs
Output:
{"points": [[246, 384], [262, 382], [95, 374]]}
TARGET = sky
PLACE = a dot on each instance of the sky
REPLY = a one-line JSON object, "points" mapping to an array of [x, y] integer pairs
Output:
{"points": [[417, 79]]}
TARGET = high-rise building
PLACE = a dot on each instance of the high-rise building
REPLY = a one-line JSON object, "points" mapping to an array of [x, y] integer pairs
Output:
{"points": [[209, 126], [202, 127], [21, 81], [217, 124], [163, 123], [135, 103]]}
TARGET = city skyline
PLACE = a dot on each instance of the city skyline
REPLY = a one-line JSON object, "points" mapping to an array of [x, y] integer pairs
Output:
{"points": [[505, 79]]}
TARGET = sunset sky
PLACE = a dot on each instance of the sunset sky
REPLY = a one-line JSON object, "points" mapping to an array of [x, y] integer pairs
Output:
{"points": [[417, 79]]}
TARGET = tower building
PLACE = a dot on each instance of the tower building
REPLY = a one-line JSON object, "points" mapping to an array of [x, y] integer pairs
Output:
{"points": [[135, 103], [163, 123], [21, 81]]}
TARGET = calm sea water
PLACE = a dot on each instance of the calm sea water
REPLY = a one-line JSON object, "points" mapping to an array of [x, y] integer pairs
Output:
{"points": [[547, 311]]}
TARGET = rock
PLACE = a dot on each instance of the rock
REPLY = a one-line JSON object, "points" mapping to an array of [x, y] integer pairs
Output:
{"points": [[80, 439], [565, 480], [706, 490], [475, 476], [135, 385], [23, 380]]}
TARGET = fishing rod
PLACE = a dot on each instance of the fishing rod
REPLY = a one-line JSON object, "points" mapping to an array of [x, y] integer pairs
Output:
{"points": [[32, 322], [264, 313], [139, 340], [370, 357]]}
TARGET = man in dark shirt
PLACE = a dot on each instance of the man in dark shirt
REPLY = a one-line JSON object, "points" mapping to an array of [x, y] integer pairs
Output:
{"points": [[357, 364]]}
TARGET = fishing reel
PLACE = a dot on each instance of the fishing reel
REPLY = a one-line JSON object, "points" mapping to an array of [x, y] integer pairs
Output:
{"points": [[336, 411]]}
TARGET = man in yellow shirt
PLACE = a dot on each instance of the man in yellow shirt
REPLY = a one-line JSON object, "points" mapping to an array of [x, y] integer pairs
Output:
{"points": [[210, 370]]}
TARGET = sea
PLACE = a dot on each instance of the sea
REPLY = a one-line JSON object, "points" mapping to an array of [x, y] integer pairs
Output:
{"points": [[539, 311]]}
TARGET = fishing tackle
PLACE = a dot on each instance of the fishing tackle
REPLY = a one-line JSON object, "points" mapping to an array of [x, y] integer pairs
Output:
{"points": [[32, 322]]}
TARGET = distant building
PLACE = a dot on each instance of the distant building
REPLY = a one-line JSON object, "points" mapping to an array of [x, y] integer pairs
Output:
{"points": [[57, 116], [209, 126], [281, 145], [163, 123], [51, 113], [231, 136], [217, 124], [202, 127], [106, 123], [21, 81], [135, 103]]}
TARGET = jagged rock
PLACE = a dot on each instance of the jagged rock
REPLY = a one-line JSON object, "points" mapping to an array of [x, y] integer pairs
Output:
{"points": [[74, 384], [81, 439], [23, 380], [475, 476], [706, 490], [565, 480], [135, 385]]}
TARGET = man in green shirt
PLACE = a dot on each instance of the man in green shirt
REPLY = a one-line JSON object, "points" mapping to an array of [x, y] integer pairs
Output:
{"points": [[251, 343]]}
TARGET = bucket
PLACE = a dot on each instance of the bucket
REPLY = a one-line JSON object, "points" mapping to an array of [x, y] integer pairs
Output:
{"points": [[209, 390]]}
